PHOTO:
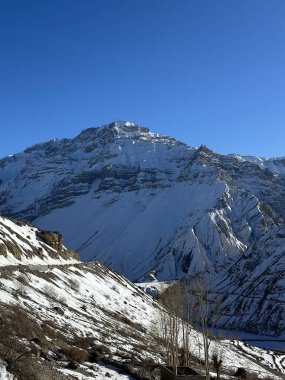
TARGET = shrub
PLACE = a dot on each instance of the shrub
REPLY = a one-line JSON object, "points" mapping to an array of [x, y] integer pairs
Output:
{"points": [[18, 336], [22, 278], [49, 291], [76, 354], [114, 287], [20, 290], [241, 372], [74, 284], [82, 342]]}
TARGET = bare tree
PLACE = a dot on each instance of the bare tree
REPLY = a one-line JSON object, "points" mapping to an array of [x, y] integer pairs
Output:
{"points": [[188, 303], [202, 299], [171, 323], [186, 318], [176, 325], [217, 362], [198, 300]]}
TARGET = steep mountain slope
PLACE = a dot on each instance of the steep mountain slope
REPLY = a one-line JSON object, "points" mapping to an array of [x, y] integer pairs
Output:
{"points": [[253, 288], [53, 318], [139, 201], [90, 307], [21, 243]]}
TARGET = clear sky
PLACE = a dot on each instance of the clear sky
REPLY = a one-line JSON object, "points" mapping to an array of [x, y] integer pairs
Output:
{"points": [[203, 71]]}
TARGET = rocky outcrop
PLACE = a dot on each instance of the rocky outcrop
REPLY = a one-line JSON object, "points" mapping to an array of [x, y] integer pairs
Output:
{"points": [[23, 243], [51, 238]]}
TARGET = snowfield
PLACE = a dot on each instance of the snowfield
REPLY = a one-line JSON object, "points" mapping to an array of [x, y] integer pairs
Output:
{"points": [[90, 301]]}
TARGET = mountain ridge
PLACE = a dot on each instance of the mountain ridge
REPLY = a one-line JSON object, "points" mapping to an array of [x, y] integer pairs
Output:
{"points": [[123, 124], [141, 202]]}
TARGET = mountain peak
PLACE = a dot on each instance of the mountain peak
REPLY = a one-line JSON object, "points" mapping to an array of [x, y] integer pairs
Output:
{"points": [[121, 123], [126, 126], [116, 128], [203, 148]]}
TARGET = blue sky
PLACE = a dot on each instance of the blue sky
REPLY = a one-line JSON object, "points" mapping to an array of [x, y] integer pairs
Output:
{"points": [[203, 71]]}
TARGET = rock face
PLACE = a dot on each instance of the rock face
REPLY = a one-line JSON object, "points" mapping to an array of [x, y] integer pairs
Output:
{"points": [[22, 243], [141, 202], [53, 239]]}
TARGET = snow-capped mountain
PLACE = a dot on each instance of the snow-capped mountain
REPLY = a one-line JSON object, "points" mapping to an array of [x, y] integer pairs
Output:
{"points": [[142, 202], [139, 201]]}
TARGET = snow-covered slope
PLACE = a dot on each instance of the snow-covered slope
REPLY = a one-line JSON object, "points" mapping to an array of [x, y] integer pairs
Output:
{"points": [[21, 243], [273, 164], [87, 303], [53, 316], [140, 202]]}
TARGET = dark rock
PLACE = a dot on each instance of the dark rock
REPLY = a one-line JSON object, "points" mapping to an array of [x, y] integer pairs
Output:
{"points": [[36, 340], [72, 365], [58, 310], [241, 372], [51, 238]]}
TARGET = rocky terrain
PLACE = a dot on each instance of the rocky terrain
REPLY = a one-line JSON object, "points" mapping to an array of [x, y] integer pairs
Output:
{"points": [[25, 244], [140, 202], [73, 320]]}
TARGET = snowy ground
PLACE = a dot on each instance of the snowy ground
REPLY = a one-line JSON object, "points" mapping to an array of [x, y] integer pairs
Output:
{"points": [[21, 245], [117, 315], [4, 375], [98, 371], [155, 287], [262, 341]]}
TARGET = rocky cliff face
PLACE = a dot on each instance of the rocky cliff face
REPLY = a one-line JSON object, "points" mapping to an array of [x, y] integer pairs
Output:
{"points": [[22, 243], [140, 202]]}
